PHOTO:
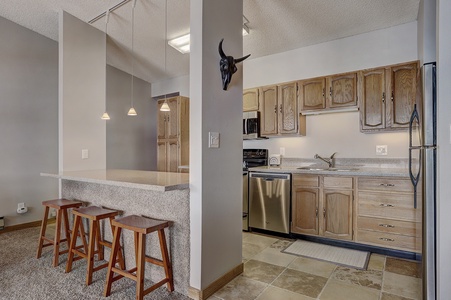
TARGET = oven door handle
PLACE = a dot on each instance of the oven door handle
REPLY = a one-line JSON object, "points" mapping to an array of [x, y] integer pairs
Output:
{"points": [[245, 126]]}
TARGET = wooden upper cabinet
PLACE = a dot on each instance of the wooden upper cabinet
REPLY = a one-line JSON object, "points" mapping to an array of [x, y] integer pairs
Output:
{"points": [[172, 119], [337, 213], [161, 122], [288, 108], [372, 99], [342, 90], [403, 86], [268, 110], [250, 99], [312, 94]]}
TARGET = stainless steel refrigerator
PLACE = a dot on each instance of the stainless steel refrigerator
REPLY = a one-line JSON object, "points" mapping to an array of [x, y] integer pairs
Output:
{"points": [[423, 172]]}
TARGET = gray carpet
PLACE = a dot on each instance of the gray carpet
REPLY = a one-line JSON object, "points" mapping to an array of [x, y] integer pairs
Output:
{"points": [[24, 277]]}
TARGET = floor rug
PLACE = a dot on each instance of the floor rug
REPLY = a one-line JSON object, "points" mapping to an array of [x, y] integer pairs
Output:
{"points": [[341, 256]]}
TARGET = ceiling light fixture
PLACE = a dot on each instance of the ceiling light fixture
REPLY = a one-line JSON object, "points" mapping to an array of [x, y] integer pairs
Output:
{"points": [[165, 106], [132, 111], [105, 115]]}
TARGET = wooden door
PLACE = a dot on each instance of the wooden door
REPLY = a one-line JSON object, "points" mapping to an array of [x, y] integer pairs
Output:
{"points": [[161, 156], [250, 99], [288, 108], [172, 156], [403, 85], [372, 100], [337, 214], [342, 90], [268, 110], [161, 127], [305, 210], [172, 119], [312, 94]]}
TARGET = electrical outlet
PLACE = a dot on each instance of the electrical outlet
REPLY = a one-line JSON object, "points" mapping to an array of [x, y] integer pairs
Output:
{"points": [[213, 140], [282, 151], [381, 150], [53, 213], [84, 153]]}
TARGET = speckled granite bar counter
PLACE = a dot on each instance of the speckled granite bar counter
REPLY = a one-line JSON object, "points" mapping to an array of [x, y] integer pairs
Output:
{"points": [[157, 195]]}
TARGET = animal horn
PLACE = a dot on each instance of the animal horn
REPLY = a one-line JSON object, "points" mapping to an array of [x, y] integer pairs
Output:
{"points": [[221, 52], [238, 60]]}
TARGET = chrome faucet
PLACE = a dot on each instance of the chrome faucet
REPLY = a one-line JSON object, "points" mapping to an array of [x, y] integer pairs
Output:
{"points": [[330, 161]]}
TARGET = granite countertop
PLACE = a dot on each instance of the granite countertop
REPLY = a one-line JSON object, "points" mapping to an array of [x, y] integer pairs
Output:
{"points": [[148, 180]]}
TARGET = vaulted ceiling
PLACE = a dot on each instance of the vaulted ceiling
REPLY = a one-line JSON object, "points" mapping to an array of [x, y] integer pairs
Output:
{"points": [[275, 26]]}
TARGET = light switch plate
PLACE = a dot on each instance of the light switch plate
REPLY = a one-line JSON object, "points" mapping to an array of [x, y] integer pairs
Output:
{"points": [[381, 150], [213, 140], [84, 153], [282, 151]]}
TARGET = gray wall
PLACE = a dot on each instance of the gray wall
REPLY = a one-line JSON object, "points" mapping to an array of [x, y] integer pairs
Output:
{"points": [[28, 121], [130, 141]]}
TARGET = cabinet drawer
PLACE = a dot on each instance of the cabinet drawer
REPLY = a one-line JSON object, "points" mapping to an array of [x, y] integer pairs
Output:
{"points": [[385, 205], [338, 182], [385, 184], [389, 240], [306, 181], [389, 226]]}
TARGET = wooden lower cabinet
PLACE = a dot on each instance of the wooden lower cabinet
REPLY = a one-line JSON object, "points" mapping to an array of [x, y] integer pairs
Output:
{"points": [[168, 156], [322, 206]]}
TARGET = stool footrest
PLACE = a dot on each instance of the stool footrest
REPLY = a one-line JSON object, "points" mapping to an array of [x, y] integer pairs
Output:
{"points": [[155, 286], [100, 267], [154, 261], [123, 273]]}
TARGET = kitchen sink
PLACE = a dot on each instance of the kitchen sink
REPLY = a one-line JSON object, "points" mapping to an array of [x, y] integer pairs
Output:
{"points": [[337, 169]]}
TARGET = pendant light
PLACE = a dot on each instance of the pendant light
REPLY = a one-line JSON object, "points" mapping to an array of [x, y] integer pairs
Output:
{"points": [[132, 111], [105, 115], [165, 106]]}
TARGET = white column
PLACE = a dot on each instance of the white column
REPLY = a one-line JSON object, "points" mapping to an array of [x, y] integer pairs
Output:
{"points": [[215, 173]]}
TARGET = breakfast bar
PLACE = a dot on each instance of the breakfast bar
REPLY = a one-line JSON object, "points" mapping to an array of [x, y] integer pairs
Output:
{"points": [[158, 195]]}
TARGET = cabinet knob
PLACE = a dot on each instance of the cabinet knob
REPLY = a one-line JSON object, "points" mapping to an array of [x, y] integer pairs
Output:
{"points": [[324, 92], [383, 97], [387, 239], [324, 213], [386, 205], [275, 109], [387, 225], [316, 211], [392, 96], [280, 108], [330, 91]]}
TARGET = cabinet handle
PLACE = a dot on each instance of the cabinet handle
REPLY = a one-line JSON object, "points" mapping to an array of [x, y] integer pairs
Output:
{"points": [[383, 97], [387, 184], [392, 96], [168, 118], [324, 213], [387, 225], [385, 205], [387, 239], [324, 92], [330, 91], [275, 109], [280, 108]]}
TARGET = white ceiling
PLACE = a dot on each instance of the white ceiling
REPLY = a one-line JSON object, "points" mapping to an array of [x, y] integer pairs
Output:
{"points": [[275, 26]]}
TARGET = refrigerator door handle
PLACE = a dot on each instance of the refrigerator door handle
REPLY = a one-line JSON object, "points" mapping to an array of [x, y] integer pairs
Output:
{"points": [[414, 118]]}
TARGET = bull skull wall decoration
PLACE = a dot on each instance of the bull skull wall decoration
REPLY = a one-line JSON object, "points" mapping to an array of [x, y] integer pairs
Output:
{"points": [[227, 66]]}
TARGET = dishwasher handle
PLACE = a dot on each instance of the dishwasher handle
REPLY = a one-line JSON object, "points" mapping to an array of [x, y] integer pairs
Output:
{"points": [[269, 176]]}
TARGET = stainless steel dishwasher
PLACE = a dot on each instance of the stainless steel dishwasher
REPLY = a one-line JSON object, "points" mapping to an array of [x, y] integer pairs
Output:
{"points": [[269, 201]]}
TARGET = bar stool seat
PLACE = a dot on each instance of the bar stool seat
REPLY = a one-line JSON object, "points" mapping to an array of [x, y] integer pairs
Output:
{"points": [[61, 206], [94, 214], [141, 226]]}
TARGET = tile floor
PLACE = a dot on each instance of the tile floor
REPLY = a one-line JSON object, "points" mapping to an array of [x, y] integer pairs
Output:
{"points": [[272, 275]]}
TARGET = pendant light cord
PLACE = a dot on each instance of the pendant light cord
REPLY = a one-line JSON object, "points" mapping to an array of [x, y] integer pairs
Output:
{"points": [[107, 16], [133, 51]]}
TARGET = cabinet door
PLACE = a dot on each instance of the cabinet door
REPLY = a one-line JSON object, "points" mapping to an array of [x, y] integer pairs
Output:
{"points": [[250, 99], [161, 134], [312, 94], [342, 90], [337, 214], [268, 110], [172, 156], [403, 85], [172, 119], [161, 156], [288, 112], [305, 210], [372, 100]]}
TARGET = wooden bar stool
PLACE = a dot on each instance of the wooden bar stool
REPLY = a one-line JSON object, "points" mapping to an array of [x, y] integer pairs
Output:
{"points": [[94, 214], [140, 227], [61, 206]]}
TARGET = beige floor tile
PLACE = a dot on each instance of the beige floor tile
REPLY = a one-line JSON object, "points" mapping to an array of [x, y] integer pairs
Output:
{"points": [[281, 244], [403, 267], [300, 282], [364, 278], [275, 257], [261, 271], [338, 290], [313, 266], [213, 298], [377, 262], [401, 285], [262, 240], [241, 288], [274, 293], [250, 250], [386, 296]]}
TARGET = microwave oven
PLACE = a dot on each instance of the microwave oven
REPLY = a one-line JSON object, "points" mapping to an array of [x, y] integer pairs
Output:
{"points": [[251, 125]]}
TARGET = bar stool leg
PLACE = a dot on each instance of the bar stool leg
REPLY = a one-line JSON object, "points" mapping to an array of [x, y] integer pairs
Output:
{"points": [[140, 266], [56, 245], [66, 226], [42, 233], [92, 239], [120, 257], [100, 251], [112, 262], [166, 262], [72, 243]]}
